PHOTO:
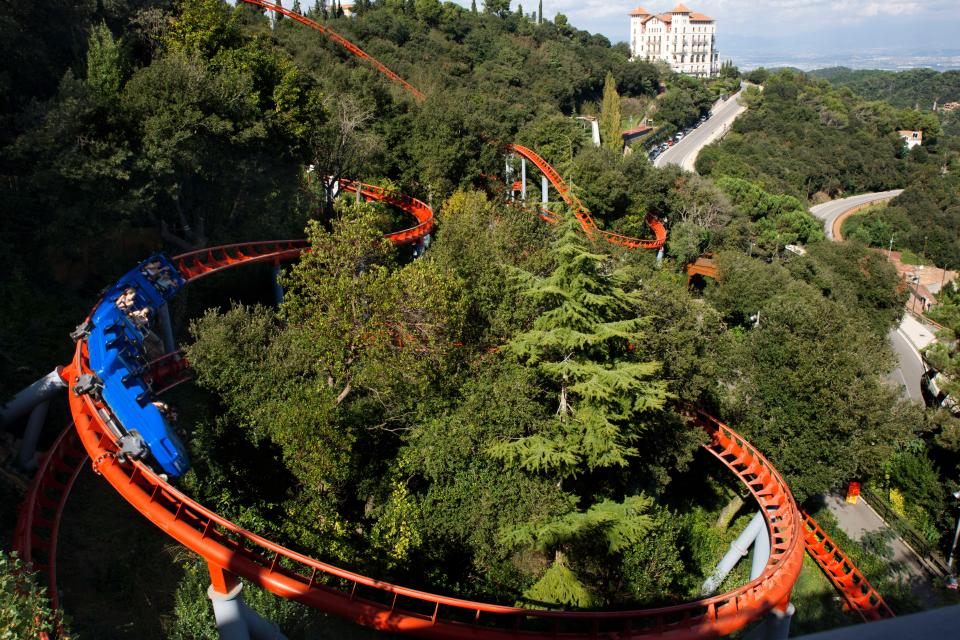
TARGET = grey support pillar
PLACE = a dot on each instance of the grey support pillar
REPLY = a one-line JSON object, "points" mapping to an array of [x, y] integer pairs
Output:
{"points": [[523, 180], [237, 621], [38, 392], [260, 629], [544, 190], [660, 257], [166, 329], [277, 289], [28, 446], [231, 624], [775, 626], [738, 549], [761, 552]]}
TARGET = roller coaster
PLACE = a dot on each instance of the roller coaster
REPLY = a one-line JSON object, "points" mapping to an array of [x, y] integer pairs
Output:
{"points": [[114, 383]]}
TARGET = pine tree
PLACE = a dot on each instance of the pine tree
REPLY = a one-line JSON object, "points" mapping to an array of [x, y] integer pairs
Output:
{"points": [[610, 115], [103, 62], [473, 6], [296, 6], [540, 13], [582, 343]]}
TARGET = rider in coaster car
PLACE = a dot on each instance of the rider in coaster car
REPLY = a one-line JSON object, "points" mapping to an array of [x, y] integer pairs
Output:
{"points": [[159, 275], [152, 344], [165, 410], [126, 300]]}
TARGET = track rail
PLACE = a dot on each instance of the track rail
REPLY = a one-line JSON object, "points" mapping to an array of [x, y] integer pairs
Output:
{"points": [[583, 214], [418, 209], [385, 606], [38, 524], [343, 42], [856, 590]]}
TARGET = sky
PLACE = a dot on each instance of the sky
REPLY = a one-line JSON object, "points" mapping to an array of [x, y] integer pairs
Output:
{"points": [[790, 29]]}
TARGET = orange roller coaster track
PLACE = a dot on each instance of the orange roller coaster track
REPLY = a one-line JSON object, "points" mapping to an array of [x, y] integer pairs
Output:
{"points": [[583, 214], [343, 42]]}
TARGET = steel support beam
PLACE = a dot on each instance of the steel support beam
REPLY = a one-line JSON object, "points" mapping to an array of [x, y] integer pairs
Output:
{"points": [[523, 180], [237, 621], [277, 289], [40, 391], [738, 549], [26, 457], [761, 552], [166, 329]]}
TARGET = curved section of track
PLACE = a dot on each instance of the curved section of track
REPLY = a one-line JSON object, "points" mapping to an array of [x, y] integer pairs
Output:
{"points": [[38, 524], [373, 603], [418, 209], [583, 214], [343, 42]]}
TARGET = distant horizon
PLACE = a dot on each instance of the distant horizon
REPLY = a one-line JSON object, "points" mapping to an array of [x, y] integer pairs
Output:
{"points": [[807, 34]]}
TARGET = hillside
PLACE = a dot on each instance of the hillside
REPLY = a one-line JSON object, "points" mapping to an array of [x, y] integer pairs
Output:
{"points": [[914, 88], [805, 138]]}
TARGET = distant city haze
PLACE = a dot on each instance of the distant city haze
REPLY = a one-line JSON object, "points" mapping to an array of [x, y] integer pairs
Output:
{"points": [[808, 34]]}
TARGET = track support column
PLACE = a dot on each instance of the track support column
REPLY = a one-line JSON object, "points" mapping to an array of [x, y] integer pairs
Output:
{"points": [[38, 392], [235, 619], [228, 614], [523, 180], [738, 548], [761, 552], [775, 626], [28, 446], [277, 289], [544, 191], [166, 329]]}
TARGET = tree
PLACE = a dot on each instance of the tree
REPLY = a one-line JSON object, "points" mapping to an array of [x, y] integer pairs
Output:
{"points": [[540, 13], [805, 384], [103, 63], [581, 343], [610, 132], [500, 8]]}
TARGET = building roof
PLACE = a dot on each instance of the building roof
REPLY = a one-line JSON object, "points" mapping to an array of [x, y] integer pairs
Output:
{"points": [[700, 17], [639, 11], [665, 17], [680, 8]]}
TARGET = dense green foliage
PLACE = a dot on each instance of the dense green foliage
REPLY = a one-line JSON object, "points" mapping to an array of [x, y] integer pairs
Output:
{"points": [[924, 219], [802, 137], [905, 89], [24, 608]]}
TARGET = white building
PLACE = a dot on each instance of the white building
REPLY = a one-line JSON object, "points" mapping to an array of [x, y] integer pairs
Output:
{"points": [[683, 38]]}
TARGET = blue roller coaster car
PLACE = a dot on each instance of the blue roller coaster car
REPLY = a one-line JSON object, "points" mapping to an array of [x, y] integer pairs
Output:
{"points": [[118, 342]]}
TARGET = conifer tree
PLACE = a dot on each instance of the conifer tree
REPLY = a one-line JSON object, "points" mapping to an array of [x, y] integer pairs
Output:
{"points": [[473, 6], [103, 62], [540, 13], [296, 6], [610, 115], [582, 343]]}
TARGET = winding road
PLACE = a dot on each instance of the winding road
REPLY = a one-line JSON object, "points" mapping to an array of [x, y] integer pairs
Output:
{"points": [[685, 152], [832, 213]]}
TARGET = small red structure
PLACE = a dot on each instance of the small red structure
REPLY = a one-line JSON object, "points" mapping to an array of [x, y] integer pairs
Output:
{"points": [[853, 492]]}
